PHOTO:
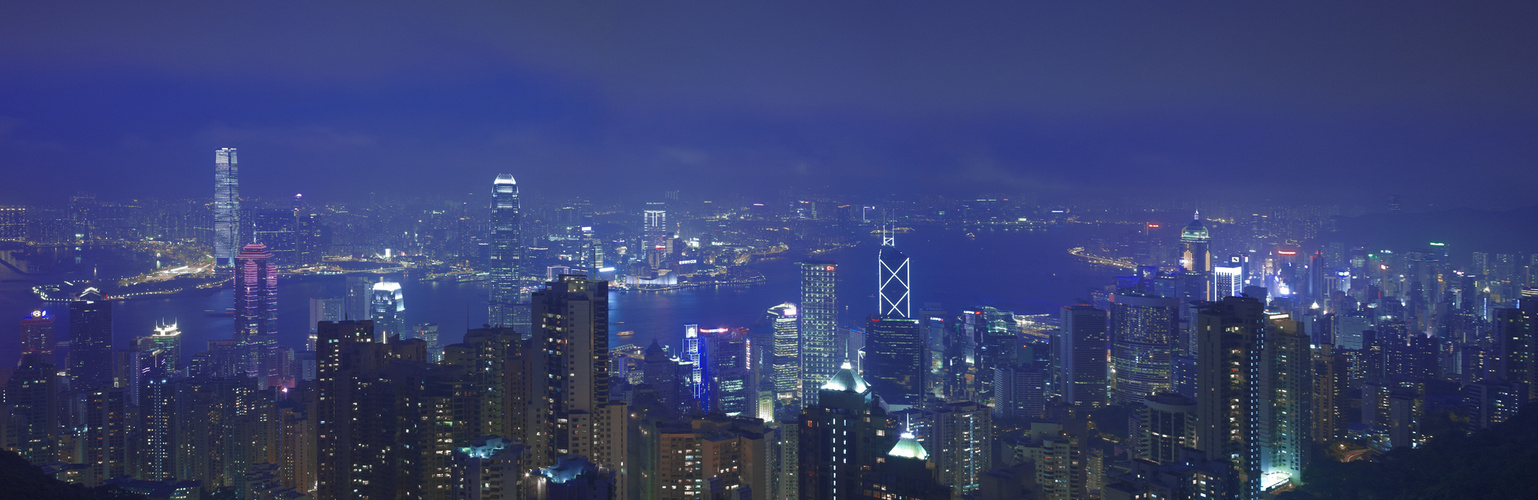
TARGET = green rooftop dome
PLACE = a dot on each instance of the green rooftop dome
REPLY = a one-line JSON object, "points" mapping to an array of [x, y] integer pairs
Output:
{"points": [[846, 380], [1195, 231], [907, 447]]}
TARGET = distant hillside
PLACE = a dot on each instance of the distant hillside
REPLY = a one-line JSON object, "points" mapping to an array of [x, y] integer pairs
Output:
{"points": [[1464, 230], [19, 479], [1495, 463]]}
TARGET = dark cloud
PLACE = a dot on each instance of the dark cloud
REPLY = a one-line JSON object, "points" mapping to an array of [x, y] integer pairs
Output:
{"points": [[1317, 99]]}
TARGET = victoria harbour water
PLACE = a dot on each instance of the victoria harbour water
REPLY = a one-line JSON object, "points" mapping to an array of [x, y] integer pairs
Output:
{"points": [[1022, 271]]}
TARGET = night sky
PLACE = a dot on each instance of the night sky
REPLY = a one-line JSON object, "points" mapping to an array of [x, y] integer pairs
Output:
{"points": [[1437, 101]]}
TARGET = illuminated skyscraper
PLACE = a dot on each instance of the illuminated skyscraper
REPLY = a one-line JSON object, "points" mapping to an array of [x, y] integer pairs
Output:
{"points": [[256, 313], [841, 437], [1081, 357], [785, 366], [32, 395], [963, 440], [1230, 343], [37, 335], [1516, 337], [277, 228], [1285, 368], [334, 395], [90, 341], [694, 354], [819, 327], [326, 309], [1196, 259], [892, 290], [508, 305], [654, 223], [387, 307], [895, 359], [572, 413], [1143, 334], [1227, 281], [158, 360], [1167, 425], [226, 207]]}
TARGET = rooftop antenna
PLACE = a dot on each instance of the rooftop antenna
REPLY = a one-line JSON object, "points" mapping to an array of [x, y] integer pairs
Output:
{"points": [[887, 240]]}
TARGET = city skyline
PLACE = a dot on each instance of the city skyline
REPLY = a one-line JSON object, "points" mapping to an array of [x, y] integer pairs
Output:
{"points": [[904, 251]]}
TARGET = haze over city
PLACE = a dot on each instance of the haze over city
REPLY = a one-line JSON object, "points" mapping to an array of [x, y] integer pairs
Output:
{"points": [[852, 250], [1311, 101]]}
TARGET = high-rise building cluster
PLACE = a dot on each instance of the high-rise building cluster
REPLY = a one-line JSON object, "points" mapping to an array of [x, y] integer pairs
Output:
{"points": [[1231, 352]]}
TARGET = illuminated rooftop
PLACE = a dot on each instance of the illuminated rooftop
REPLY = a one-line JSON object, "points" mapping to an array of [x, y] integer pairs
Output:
{"points": [[846, 380], [505, 179], [907, 447]]}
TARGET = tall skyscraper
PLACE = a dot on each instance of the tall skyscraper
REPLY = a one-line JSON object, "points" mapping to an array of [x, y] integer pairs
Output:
{"points": [[387, 307], [1286, 370], [1081, 357], [694, 354], [963, 440], [37, 335], [689, 458], [1516, 337], [1230, 343], [1196, 259], [277, 228], [1019, 390], [1143, 335], [256, 314], [785, 366], [896, 356], [841, 437], [389, 418], [334, 454], [226, 207], [507, 298], [819, 326], [90, 341], [32, 395], [892, 288], [572, 413], [158, 360], [325, 309], [1168, 425], [654, 223], [895, 359]]}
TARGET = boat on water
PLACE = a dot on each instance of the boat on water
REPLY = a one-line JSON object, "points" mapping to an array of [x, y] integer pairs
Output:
{"points": [[626, 333]]}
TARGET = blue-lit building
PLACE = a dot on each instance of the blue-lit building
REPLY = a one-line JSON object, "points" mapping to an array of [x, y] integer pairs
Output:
{"points": [[573, 477], [507, 303], [226, 207], [489, 468]]}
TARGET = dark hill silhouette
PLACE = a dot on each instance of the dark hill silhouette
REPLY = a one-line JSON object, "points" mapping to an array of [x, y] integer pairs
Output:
{"points": [[19, 479], [1494, 463]]}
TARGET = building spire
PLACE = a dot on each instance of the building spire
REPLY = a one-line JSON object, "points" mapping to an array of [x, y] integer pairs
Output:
{"points": [[887, 239]]}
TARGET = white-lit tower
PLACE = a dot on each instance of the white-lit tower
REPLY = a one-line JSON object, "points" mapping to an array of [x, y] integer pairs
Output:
{"points": [[226, 207], [819, 327], [387, 307], [892, 275], [507, 300], [786, 363]]}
